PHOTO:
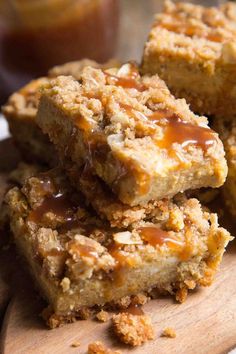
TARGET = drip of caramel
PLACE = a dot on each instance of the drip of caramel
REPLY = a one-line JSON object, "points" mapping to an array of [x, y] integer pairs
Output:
{"points": [[175, 129], [184, 133], [156, 236], [135, 310], [86, 251], [82, 123], [98, 148], [57, 204], [122, 262], [70, 224], [46, 184], [190, 30], [129, 82], [54, 252]]}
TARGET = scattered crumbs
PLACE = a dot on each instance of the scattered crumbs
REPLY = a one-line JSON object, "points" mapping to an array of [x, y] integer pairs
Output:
{"points": [[133, 329], [100, 348], [168, 332], [139, 299], [102, 316], [75, 344], [181, 295]]}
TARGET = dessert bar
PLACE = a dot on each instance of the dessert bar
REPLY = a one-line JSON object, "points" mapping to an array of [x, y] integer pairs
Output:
{"points": [[193, 49], [21, 108], [74, 68], [141, 141], [79, 261], [20, 112]]}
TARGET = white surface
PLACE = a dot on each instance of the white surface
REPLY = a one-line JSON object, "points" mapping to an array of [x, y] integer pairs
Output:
{"points": [[3, 128]]}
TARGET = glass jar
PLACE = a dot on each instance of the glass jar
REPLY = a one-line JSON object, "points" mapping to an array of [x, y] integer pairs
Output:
{"points": [[36, 35]]}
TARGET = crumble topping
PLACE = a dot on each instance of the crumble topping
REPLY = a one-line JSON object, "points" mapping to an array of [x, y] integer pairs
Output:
{"points": [[74, 244], [75, 68], [214, 24], [24, 103]]}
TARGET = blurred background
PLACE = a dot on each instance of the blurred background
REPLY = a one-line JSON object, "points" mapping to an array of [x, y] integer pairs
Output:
{"points": [[38, 34]]}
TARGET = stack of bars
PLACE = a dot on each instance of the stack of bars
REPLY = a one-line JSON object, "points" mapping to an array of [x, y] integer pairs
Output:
{"points": [[193, 48], [112, 220]]}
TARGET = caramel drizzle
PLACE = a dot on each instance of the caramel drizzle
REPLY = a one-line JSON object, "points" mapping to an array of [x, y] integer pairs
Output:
{"points": [[184, 133], [176, 130], [156, 236], [129, 82], [135, 310], [55, 202], [190, 31], [84, 250]]}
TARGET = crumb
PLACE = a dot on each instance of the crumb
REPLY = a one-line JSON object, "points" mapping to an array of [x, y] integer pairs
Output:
{"points": [[123, 302], [100, 348], [75, 344], [131, 329], [102, 316], [54, 321], [168, 332], [181, 295], [140, 299]]}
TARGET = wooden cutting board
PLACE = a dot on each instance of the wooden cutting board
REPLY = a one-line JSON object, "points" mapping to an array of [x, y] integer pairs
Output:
{"points": [[205, 324]]}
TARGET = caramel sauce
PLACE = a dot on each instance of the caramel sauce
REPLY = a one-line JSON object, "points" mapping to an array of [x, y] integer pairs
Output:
{"points": [[135, 310], [186, 29], [58, 204], [46, 184], [121, 259], [82, 123], [85, 251], [98, 147], [191, 31], [71, 143], [129, 82], [55, 252], [70, 224], [176, 130], [214, 37], [184, 133], [133, 113], [122, 262], [156, 236]]}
